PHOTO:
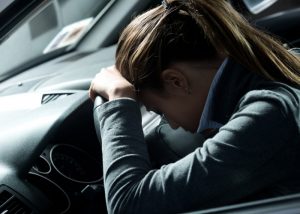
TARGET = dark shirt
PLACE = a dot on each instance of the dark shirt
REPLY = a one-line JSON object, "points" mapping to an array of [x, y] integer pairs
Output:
{"points": [[256, 149]]}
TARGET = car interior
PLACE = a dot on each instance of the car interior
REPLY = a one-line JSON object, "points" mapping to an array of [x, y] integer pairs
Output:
{"points": [[50, 151]]}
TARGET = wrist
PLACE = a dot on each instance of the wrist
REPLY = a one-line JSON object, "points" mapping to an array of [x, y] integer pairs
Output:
{"points": [[122, 92]]}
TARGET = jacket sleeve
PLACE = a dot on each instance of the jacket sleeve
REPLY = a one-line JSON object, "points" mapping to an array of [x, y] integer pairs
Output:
{"points": [[240, 159]]}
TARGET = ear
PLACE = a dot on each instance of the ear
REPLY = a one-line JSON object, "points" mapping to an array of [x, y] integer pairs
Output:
{"points": [[175, 82]]}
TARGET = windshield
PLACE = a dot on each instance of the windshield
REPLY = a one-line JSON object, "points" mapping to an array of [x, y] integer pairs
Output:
{"points": [[4, 4], [56, 24]]}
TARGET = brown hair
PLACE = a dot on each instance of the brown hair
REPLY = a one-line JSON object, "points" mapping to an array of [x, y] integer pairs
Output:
{"points": [[192, 30]]}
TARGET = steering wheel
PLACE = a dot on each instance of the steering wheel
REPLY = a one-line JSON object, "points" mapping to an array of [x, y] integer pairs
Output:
{"points": [[97, 103]]}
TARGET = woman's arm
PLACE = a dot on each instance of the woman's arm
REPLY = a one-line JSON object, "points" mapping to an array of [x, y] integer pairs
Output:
{"points": [[245, 156]]}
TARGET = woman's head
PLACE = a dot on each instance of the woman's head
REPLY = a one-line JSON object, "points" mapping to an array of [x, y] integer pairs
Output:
{"points": [[197, 31], [156, 39], [194, 30]]}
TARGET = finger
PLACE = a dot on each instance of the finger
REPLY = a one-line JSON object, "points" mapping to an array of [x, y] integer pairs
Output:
{"points": [[92, 93]]}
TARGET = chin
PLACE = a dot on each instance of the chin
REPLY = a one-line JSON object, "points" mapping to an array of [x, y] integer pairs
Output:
{"points": [[191, 129]]}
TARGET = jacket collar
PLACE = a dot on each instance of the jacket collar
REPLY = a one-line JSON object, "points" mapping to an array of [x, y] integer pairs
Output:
{"points": [[235, 81]]}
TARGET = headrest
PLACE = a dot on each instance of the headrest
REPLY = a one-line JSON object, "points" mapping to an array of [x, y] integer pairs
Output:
{"points": [[295, 51]]}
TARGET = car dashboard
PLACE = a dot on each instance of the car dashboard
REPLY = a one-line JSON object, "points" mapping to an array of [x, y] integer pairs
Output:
{"points": [[50, 153], [51, 157]]}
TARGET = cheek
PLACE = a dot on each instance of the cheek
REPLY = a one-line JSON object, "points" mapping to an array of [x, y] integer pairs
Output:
{"points": [[176, 119], [177, 112], [183, 117]]}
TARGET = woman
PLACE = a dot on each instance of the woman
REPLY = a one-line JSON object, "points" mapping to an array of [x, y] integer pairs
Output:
{"points": [[202, 66]]}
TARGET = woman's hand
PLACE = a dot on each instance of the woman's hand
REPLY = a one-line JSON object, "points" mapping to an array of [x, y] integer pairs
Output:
{"points": [[110, 84]]}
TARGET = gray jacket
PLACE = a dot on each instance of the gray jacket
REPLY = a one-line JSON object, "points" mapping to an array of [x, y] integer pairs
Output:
{"points": [[256, 151]]}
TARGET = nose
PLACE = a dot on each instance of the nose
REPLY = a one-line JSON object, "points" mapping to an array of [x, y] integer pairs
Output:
{"points": [[174, 126]]}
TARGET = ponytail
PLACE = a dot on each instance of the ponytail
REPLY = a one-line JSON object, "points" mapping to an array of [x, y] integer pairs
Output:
{"points": [[229, 32]]}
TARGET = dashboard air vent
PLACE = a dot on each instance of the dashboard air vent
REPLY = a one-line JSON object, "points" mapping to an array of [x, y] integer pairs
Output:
{"points": [[51, 97], [4, 196], [9, 204]]}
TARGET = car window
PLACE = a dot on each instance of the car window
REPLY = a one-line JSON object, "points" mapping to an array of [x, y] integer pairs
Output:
{"points": [[55, 24], [256, 9]]}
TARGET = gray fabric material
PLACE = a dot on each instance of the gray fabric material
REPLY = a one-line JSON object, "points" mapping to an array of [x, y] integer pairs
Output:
{"points": [[256, 149]]}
